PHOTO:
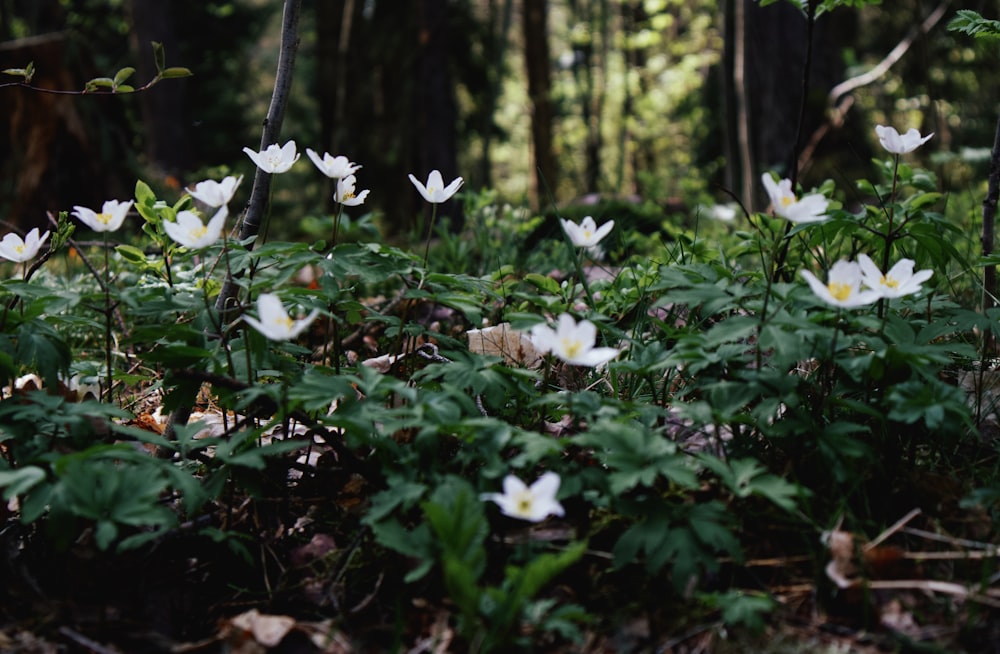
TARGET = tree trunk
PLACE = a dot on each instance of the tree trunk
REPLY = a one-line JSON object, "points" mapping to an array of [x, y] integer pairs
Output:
{"points": [[536, 61], [168, 148], [435, 109], [498, 20], [334, 24]]}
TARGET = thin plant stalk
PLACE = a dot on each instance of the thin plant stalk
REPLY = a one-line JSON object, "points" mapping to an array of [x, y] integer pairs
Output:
{"points": [[430, 232], [109, 393]]}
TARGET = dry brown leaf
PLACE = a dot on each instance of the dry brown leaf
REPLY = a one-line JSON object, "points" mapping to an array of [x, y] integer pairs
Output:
{"points": [[502, 340], [894, 617], [268, 630]]}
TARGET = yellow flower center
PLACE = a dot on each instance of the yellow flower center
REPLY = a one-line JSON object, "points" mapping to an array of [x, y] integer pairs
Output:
{"points": [[587, 234], [198, 232], [104, 218], [522, 503], [348, 195], [891, 282], [19, 249], [284, 322], [839, 290], [571, 347], [787, 201]]}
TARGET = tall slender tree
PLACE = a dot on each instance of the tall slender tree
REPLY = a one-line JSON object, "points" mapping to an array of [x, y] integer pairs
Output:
{"points": [[537, 67]]}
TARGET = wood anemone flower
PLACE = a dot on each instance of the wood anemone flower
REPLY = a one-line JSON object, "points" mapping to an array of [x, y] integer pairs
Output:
{"points": [[110, 218], [572, 342], [274, 159], [534, 503], [843, 286], [346, 193], [435, 191], [897, 143], [899, 281], [274, 322], [587, 234], [808, 209], [337, 167], [13, 248], [215, 194], [189, 230]]}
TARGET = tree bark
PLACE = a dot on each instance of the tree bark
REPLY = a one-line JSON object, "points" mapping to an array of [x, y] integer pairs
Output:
{"points": [[435, 109], [168, 146], [536, 61]]}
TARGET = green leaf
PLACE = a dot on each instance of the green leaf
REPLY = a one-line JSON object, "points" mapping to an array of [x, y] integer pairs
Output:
{"points": [[123, 75], [131, 253], [175, 72], [972, 23], [27, 72], [254, 457], [638, 456], [99, 83], [543, 283], [159, 57], [746, 477], [740, 608], [20, 481]]}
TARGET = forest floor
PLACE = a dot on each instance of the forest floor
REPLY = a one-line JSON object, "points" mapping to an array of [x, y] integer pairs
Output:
{"points": [[299, 573]]}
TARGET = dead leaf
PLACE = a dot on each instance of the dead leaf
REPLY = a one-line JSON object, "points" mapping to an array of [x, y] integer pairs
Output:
{"points": [[502, 340], [268, 630]]}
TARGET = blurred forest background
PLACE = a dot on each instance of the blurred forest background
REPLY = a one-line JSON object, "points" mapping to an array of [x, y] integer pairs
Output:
{"points": [[670, 104]]}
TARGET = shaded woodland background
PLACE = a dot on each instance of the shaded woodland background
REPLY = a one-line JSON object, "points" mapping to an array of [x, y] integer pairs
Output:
{"points": [[679, 103]]}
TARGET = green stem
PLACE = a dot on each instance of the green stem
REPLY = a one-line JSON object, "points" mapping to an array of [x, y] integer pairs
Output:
{"points": [[108, 396], [336, 225], [430, 231], [889, 236]]}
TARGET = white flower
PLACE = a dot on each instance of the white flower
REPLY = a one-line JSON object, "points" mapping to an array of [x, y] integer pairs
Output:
{"points": [[809, 209], [725, 213], [534, 503], [895, 143], [843, 286], [274, 321], [586, 234], [191, 232], [334, 167], [14, 249], [109, 220], [274, 159], [572, 342], [346, 194], [215, 194], [435, 191], [899, 281]]}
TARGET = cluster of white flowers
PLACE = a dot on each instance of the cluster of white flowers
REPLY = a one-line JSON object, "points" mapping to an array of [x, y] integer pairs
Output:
{"points": [[812, 208], [857, 283], [849, 283]]}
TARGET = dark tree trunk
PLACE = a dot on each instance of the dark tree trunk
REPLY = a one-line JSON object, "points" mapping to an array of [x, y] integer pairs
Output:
{"points": [[335, 22], [168, 148], [498, 19], [766, 99], [436, 113], [536, 58]]}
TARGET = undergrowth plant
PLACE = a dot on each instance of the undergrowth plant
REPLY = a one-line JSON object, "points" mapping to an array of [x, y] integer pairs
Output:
{"points": [[652, 409]]}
